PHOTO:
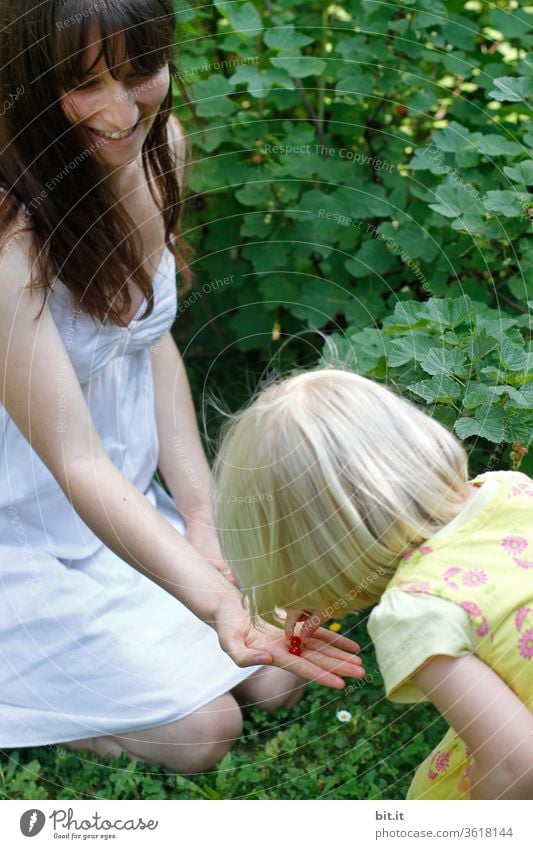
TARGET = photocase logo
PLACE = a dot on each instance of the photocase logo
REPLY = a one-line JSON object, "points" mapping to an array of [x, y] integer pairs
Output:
{"points": [[32, 822]]}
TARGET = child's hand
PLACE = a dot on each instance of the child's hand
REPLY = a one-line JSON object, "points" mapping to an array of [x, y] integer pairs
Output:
{"points": [[326, 658], [300, 625]]}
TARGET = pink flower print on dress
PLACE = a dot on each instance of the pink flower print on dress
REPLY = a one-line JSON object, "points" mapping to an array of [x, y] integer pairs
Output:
{"points": [[520, 616], [417, 587], [440, 762], [524, 564], [521, 489], [406, 555], [514, 544], [443, 761], [476, 613], [425, 549], [525, 644], [449, 574], [475, 578]]}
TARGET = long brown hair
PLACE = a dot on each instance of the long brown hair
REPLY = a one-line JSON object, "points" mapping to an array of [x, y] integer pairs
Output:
{"points": [[82, 233]]}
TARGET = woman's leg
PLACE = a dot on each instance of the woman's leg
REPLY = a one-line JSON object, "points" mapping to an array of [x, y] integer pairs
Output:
{"points": [[269, 689], [190, 745]]}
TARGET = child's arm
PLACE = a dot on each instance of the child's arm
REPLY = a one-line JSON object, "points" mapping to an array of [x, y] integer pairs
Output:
{"points": [[495, 725]]}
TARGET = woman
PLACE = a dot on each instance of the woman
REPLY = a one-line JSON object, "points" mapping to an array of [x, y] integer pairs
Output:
{"points": [[94, 396]]}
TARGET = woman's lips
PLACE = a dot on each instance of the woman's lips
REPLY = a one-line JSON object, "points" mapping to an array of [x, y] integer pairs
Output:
{"points": [[105, 139]]}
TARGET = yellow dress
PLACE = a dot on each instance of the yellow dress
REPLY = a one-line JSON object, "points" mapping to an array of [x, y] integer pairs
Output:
{"points": [[484, 566]]}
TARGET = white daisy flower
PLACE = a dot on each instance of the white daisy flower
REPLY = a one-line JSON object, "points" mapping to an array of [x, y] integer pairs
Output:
{"points": [[344, 715]]}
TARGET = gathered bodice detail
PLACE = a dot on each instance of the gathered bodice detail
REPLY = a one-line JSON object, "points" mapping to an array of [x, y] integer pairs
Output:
{"points": [[91, 345]]}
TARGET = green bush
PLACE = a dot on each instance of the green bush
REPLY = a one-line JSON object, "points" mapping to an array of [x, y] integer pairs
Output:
{"points": [[362, 170]]}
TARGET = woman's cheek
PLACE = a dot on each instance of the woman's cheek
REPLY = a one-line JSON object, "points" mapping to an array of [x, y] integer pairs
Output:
{"points": [[75, 108], [157, 91]]}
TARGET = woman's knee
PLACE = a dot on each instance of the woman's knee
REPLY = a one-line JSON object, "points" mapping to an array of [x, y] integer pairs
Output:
{"points": [[190, 745], [270, 688]]}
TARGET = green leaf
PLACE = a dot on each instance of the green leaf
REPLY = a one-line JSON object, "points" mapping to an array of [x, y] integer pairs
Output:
{"points": [[489, 423], [244, 18], [256, 82], [254, 193], [453, 200], [410, 239], [442, 361], [320, 301], [286, 38], [481, 344], [507, 202], [521, 173], [210, 97], [278, 289], [370, 259], [452, 138], [437, 389], [512, 356], [406, 316], [353, 81], [493, 144], [410, 348], [299, 66], [513, 23], [514, 89]]}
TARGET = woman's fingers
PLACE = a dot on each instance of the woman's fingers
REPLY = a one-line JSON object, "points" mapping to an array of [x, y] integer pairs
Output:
{"points": [[341, 664], [338, 640]]}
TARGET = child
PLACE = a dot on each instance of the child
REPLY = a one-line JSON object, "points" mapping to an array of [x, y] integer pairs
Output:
{"points": [[355, 496]]}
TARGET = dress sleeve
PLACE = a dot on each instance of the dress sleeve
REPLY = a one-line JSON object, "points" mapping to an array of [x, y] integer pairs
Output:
{"points": [[409, 628]]}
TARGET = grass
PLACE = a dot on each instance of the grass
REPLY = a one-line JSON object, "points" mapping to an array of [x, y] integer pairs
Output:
{"points": [[301, 753]]}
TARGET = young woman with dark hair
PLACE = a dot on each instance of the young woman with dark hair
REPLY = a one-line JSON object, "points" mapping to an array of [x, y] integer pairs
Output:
{"points": [[109, 585]]}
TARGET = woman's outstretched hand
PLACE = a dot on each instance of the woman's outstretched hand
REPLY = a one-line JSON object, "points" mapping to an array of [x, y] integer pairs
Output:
{"points": [[326, 658]]}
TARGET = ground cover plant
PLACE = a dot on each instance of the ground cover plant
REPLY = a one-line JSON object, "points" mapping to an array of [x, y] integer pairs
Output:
{"points": [[359, 193]]}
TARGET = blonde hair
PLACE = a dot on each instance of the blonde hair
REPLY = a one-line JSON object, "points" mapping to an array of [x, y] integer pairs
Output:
{"points": [[322, 483]]}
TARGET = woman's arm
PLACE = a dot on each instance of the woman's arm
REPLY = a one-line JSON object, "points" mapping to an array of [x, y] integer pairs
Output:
{"points": [[182, 461], [32, 355], [495, 725]]}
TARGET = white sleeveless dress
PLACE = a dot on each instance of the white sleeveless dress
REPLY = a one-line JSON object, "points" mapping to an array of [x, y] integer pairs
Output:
{"points": [[88, 645]]}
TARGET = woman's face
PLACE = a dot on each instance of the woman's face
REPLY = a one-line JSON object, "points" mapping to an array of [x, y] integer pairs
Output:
{"points": [[126, 106]]}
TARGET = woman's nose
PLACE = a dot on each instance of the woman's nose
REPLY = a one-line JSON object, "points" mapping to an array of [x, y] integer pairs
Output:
{"points": [[120, 108]]}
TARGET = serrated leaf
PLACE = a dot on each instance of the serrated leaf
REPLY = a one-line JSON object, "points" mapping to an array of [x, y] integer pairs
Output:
{"points": [[452, 201], [372, 258], [319, 302], [412, 347], [512, 356], [521, 173], [406, 316], [286, 38], [442, 361], [494, 144], [507, 202], [243, 17], [299, 66], [278, 289], [480, 344], [410, 241], [513, 89], [513, 23], [437, 389], [489, 423]]}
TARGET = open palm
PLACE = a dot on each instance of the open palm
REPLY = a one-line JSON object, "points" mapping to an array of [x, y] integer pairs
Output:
{"points": [[327, 658]]}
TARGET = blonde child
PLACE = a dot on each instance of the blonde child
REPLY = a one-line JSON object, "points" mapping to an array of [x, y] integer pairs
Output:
{"points": [[335, 494]]}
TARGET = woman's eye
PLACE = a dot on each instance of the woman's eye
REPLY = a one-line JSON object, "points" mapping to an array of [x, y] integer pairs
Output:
{"points": [[84, 86]]}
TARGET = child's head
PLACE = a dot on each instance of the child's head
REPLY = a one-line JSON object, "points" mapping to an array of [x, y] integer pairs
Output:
{"points": [[323, 482]]}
